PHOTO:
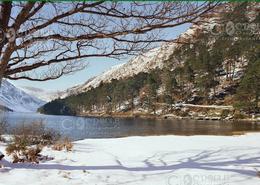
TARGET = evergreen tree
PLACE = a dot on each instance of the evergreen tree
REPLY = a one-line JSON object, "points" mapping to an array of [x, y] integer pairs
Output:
{"points": [[248, 94], [168, 82]]}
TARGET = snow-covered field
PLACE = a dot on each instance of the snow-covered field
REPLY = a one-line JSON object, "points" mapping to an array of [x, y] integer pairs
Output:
{"points": [[156, 160]]}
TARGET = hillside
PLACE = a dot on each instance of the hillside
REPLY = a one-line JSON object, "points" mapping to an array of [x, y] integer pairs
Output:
{"points": [[142, 63], [205, 69], [14, 99]]}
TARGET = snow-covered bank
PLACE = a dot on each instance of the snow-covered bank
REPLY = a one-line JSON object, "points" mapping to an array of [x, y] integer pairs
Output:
{"points": [[153, 160]]}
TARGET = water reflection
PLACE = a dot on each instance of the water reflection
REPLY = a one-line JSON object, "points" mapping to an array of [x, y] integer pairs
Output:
{"points": [[80, 128]]}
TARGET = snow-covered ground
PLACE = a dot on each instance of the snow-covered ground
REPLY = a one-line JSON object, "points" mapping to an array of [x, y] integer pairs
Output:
{"points": [[156, 160]]}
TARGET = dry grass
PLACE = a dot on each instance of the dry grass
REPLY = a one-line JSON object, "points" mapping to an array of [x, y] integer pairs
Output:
{"points": [[63, 144], [28, 142], [22, 152]]}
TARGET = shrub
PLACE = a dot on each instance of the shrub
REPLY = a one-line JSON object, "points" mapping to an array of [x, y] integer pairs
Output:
{"points": [[28, 142], [225, 113], [63, 144], [21, 151], [33, 153], [3, 127], [239, 115], [183, 113]]}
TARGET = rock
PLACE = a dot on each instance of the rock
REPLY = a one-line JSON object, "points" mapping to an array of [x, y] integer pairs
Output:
{"points": [[215, 118], [1, 156], [229, 118]]}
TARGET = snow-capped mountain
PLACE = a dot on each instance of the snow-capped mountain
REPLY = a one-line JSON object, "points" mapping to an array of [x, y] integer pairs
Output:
{"points": [[13, 98], [46, 95]]}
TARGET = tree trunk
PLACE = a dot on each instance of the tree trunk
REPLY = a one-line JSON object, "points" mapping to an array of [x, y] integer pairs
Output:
{"points": [[2, 71], [1, 79], [132, 103], [1, 156], [257, 99]]}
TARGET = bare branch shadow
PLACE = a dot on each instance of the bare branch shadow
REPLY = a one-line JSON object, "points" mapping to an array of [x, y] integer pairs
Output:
{"points": [[201, 160]]}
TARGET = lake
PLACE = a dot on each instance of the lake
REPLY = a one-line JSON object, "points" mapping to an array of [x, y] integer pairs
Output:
{"points": [[78, 128]]}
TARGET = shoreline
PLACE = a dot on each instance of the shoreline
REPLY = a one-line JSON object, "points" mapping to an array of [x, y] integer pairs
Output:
{"points": [[162, 117]]}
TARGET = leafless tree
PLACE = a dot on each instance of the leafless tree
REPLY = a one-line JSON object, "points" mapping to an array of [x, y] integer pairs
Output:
{"points": [[42, 40]]}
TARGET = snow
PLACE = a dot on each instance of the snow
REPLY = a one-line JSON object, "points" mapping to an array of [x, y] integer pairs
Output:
{"points": [[152, 160], [17, 100], [43, 94], [228, 107]]}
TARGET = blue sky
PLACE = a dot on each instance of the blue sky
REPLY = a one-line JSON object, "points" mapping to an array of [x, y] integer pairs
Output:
{"points": [[96, 66]]}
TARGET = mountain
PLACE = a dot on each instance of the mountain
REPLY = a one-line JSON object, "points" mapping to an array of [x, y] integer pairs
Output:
{"points": [[15, 99], [144, 62], [207, 71], [45, 95]]}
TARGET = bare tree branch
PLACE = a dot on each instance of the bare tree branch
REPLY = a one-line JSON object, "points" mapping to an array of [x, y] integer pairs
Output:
{"points": [[46, 40]]}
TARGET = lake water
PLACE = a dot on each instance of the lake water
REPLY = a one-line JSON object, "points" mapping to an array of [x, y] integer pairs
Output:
{"points": [[80, 128]]}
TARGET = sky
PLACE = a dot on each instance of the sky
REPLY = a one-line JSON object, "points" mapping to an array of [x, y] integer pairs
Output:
{"points": [[95, 67]]}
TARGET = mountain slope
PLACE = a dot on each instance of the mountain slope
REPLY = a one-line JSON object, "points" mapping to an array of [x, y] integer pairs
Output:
{"points": [[13, 98], [142, 63]]}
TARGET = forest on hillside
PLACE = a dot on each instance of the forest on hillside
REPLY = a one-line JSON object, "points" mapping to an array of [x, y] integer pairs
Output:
{"points": [[211, 69]]}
